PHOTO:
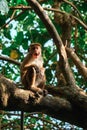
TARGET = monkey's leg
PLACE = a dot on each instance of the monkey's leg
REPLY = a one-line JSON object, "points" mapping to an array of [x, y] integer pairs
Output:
{"points": [[30, 77], [33, 85], [31, 80], [39, 89]]}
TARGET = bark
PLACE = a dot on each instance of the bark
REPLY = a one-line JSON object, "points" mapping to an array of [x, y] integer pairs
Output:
{"points": [[68, 105], [10, 60], [81, 68]]}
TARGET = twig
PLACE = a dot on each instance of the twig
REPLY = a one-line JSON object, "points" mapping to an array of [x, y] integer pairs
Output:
{"points": [[10, 60], [74, 8], [11, 20], [20, 7], [50, 57]]}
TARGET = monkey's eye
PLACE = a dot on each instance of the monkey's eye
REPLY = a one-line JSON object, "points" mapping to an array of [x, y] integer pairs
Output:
{"points": [[35, 47]]}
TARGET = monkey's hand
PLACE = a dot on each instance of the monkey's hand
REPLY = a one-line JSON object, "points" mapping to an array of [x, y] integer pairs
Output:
{"points": [[35, 67]]}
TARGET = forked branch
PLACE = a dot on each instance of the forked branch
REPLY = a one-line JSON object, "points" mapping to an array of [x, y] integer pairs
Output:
{"points": [[57, 40]]}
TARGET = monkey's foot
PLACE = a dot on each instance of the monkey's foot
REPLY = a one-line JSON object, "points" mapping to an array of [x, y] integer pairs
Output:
{"points": [[39, 93], [43, 92]]}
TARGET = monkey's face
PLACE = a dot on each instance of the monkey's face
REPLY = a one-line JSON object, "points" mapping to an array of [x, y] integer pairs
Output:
{"points": [[36, 51]]}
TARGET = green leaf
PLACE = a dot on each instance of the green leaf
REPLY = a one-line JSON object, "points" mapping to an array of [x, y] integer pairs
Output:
{"points": [[2, 20], [19, 37], [22, 2], [5, 52], [7, 33], [24, 44]]}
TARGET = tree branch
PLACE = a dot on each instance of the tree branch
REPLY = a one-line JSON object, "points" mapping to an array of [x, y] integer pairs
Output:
{"points": [[81, 68], [15, 99], [52, 9], [12, 19], [10, 60], [70, 3]]}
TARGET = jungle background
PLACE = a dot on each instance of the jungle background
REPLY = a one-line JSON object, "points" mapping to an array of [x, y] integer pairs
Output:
{"points": [[19, 27]]}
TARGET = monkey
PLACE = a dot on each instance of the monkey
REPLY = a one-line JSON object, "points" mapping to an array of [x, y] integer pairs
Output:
{"points": [[32, 71]]}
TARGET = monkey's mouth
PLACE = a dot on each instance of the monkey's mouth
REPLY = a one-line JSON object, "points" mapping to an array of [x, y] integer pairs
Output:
{"points": [[36, 54]]}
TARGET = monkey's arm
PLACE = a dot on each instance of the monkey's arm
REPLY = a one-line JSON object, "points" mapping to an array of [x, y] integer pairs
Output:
{"points": [[26, 62], [24, 67]]}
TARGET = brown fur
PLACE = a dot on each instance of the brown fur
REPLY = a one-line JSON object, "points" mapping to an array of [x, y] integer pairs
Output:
{"points": [[32, 70]]}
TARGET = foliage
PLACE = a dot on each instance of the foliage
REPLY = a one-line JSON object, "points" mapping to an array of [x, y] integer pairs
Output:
{"points": [[16, 35]]}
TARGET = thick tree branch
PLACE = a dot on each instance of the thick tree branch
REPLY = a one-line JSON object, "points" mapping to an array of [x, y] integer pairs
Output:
{"points": [[13, 98], [73, 95], [81, 68]]}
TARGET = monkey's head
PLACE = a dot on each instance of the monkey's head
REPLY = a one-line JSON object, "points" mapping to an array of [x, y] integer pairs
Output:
{"points": [[35, 50]]}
